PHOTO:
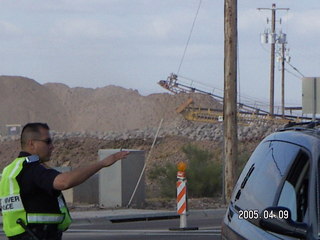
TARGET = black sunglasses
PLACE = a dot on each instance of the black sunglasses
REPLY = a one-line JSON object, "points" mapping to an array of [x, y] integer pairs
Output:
{"points": [[48, 141]]}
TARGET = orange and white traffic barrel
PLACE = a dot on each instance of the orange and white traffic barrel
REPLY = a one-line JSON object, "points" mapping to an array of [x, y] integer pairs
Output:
{"points": [[181, 197], [182, 201], [181, 193]]}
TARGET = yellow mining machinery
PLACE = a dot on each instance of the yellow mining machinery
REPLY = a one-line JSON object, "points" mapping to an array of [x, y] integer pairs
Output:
{"points": [[246, 114], [210, 115]]}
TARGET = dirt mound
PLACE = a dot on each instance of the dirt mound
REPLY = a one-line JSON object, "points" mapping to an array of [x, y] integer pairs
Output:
{"points": [[115, 108], [110, 108], [24, 100]]}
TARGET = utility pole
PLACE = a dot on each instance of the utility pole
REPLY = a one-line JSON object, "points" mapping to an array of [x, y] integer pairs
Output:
{"points": [[272, 41], [230, 97], [282, 76], [273, 28]]}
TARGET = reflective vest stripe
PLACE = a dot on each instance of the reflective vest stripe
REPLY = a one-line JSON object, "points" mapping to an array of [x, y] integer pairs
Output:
{"points": [[61, 202], [45, 218], [13, 173]]}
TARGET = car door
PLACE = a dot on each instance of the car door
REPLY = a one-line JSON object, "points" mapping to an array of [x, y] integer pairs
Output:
{"points": [[296, 195], [258, 187]]}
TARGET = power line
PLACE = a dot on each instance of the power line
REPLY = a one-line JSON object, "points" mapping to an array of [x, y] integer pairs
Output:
{"points": [[203, 86], [185, 49], [294, 68], [295, 75]]}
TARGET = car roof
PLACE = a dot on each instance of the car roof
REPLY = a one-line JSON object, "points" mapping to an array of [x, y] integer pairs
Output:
{"points": [[303, 134]]}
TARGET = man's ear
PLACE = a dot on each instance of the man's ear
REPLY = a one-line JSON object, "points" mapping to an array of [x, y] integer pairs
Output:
{"points": [[30, 145]]}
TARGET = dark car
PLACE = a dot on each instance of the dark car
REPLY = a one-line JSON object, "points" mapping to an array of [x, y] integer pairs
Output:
{"points": [[277, 194]]}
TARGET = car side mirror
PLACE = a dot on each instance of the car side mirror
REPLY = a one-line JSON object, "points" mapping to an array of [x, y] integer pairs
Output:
{"points": [[278, 220]]}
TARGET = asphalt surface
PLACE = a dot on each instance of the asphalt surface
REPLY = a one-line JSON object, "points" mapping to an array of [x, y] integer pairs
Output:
{"points": [[150, 225], [142, 224]]}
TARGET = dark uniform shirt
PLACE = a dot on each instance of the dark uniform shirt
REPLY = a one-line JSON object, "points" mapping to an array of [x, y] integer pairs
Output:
{"points": [[38, 196], [36, 187]]}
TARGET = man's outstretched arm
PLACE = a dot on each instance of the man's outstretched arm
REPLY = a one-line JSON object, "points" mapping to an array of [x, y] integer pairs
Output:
{"points": [[77, 176]]}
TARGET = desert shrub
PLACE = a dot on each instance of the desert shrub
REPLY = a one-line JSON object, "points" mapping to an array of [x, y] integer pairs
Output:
{"points": [[166, 177], [203, 174]]}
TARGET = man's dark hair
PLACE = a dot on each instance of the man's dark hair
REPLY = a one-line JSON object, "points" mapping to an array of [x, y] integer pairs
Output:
{"points": [[31, 131]]}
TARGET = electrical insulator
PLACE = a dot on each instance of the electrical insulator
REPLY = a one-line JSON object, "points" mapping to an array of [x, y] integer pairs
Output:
{"points": [[282, 38], [272, 37], [279, 59], [264, 38], [288, 58]]}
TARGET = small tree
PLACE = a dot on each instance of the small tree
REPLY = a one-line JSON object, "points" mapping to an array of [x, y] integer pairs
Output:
{"points": [[166, 177], [203, 172]]}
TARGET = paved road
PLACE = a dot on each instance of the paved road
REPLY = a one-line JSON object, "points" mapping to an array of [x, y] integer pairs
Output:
{"points": [[208, 223], [143, 234]]}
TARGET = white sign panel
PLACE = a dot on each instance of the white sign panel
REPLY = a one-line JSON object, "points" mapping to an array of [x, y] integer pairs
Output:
{"points": [[311, 95]]}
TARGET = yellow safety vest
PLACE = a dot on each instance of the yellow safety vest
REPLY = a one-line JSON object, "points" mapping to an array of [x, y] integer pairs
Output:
{"points": [[13, 209]]}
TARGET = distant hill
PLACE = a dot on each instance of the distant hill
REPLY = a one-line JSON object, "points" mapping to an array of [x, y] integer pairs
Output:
{"points": [[110, 108], [24, 100]]}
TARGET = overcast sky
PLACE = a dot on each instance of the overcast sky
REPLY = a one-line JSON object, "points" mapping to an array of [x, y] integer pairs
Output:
{"points": [[136, 43]]}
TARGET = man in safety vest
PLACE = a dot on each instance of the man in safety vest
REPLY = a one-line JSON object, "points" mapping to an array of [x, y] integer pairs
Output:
{"points": [[30, 192]]}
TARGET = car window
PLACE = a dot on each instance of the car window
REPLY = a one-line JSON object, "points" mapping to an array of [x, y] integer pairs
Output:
{"points": [[288, 199], [260, 180], [294, 194]]}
